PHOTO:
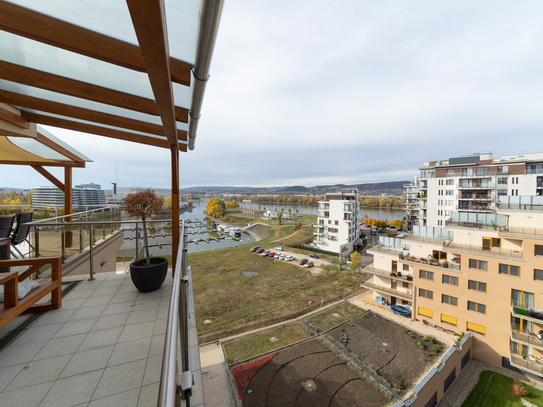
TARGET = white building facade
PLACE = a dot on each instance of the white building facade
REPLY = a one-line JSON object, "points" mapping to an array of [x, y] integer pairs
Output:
{"points": [[336, 229], [82, 198], [470, 184]]}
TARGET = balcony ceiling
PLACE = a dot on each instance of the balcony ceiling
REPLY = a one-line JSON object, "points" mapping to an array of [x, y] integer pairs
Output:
{"points": [[117, 69]]}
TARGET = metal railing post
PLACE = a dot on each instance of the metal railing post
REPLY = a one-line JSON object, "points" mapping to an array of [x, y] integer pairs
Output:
{"points": [[91, 252], [62, 244], [137, 240]]}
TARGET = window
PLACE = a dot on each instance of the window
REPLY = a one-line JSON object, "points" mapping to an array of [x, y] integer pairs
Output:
{"points": [[509, 269], [478, 329], [439, 255], [450, 182], [489, 242], [475, 306], [449, 192], [336, 222], [449, 280], [502, 181], [406, 267], [465, 359], [432, 402], [447, 299], [477, 264], [538, 274], [405, 284], [538, 251], [447, 319], [426, 312], [477, 286], [522, 299], [448, 381], [428, 275], [426, 293]]}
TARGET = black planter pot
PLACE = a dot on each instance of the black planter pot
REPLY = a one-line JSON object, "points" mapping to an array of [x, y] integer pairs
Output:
{"points": [[148, 278]]}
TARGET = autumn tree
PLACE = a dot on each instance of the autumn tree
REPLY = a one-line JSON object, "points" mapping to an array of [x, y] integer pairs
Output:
{"points": [[168, 203], [355, 261], [215, 208], [143, 205], [279, 216]]}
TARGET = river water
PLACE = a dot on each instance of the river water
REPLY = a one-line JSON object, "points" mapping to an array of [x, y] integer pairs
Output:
{"points": [[160, 235]]}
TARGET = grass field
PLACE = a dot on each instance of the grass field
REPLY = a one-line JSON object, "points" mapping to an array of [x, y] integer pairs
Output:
{"points": [[494, 389], [227, 298], [263, 342], [325, 320]]}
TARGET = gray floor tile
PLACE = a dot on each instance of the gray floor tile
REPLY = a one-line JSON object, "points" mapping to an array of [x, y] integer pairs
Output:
{"points": [[97, 300], [148, 395], [55, 316], [87, 361], [76, 327], [130, 351], [15, 354], [157, 345], [119, 308], [110, 321], [60, 346], [137, 331], [152, 370], [98, 339], [7, 374], [89, 312], [126, 399], [39, 333], [39, 371], [30, 396], [120, 378], [139, 316], [72, 390]]}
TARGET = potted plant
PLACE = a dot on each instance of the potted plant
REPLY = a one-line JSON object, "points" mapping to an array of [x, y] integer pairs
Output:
{"points": [[148, 273]]}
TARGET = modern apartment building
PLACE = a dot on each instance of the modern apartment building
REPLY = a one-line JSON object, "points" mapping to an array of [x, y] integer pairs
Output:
{"points": [[471, 184], [82, 198], [336, 229], [481, 273]]}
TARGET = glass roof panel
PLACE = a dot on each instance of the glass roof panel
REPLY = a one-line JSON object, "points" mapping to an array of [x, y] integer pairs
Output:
{"points": [[182, 23], [61, 143], [73, 101], [106, 17], [37, 148], [42, 57]]}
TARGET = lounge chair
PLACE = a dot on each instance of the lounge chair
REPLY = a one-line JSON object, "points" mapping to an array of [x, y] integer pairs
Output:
{"points": [[6, 224], [20, 234]]}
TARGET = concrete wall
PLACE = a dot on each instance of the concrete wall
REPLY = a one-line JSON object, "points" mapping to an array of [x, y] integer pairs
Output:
{"points": [[104, 257], [433, 383]]}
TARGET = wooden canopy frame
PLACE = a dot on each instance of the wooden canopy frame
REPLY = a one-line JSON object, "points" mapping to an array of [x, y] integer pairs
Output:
{"points": [[151, 57]]}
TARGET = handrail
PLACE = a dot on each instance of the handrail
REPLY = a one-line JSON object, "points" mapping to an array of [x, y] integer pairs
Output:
{"points": [[174, 387]]}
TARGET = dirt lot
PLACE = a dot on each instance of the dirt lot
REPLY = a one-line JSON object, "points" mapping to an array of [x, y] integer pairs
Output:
{"points": [[309, 374], [386, 347]]}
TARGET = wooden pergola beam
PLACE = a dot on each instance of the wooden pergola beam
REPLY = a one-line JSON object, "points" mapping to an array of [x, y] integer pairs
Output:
{"points": [[50, 177], [49, 164], [14, 119], [59, 149], [97, 130], [29, 102], [149, 20], [72, 87], [39, 27]]}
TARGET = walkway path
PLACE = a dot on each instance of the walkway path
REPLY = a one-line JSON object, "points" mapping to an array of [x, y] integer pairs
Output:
{"points": [[217, 392]]}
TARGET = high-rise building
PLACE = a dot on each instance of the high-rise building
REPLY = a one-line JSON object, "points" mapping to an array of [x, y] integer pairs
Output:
{"points": [[336, 229], [82, 198], [471, 184]]}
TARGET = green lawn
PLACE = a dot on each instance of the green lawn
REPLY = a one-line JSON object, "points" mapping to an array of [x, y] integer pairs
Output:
{"points": [[228, 299], [263, 342], [333, 316], [494, 389]]}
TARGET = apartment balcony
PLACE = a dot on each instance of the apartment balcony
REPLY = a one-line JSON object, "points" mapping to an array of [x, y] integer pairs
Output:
{"points": [[518, 232], [475, 198], [401, 276], [431, 262], [526, 314], [405, 294], [388, 250], [489, 185], [478, 209], [475, 176], [318, 226], [532, 366], [493, 251], [527, 339]]}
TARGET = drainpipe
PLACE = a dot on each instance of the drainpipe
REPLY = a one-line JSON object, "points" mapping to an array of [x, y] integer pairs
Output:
{"points": [[210, 14]]}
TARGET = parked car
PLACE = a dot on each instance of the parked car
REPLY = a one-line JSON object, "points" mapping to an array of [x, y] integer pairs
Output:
{"points": [[282, 257], [290, 258], [280, 248], [313, 255], [254, 248], [303, 261], [309, 264], [392, 227], [259, 251], [265, 253], [272, 254]]}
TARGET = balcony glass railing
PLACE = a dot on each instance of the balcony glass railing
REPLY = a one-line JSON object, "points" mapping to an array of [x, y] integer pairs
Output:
{"points": [[407, 294], [530, 339], [534, 366], [498, 251]]}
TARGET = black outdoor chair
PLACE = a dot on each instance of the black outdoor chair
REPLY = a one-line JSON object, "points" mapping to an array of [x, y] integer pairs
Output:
{"points": [[20, 234], [6, 224]]}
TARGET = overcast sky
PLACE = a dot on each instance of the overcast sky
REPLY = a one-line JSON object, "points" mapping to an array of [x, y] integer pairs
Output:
{"points": [[311, 92]]}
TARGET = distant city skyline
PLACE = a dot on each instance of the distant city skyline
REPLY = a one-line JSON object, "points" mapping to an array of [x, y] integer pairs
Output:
{"points": [[316, 92]]}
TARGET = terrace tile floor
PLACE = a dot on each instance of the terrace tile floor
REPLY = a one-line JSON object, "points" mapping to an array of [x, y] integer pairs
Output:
{"points": [[103, 347]]}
